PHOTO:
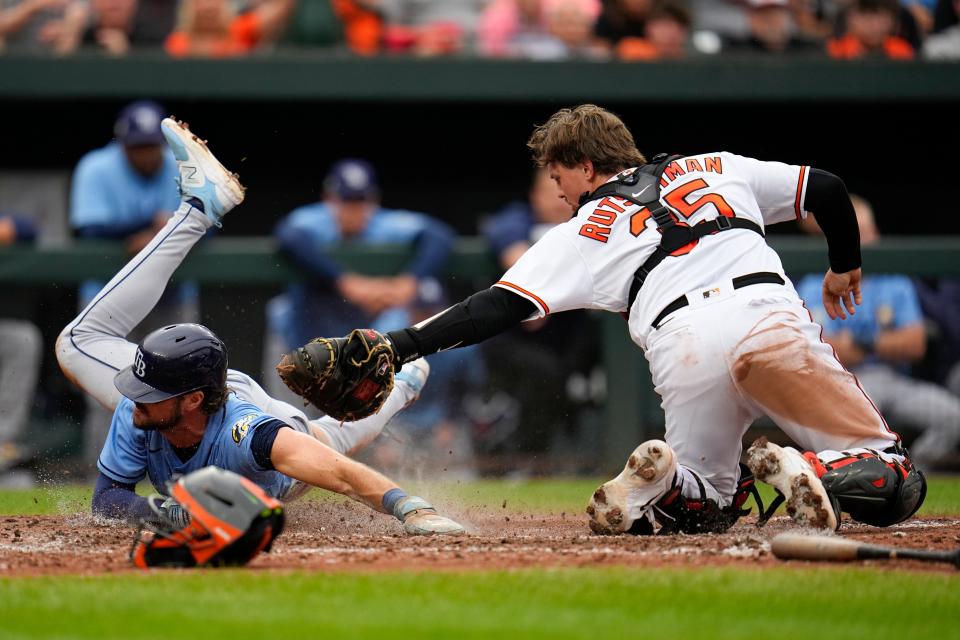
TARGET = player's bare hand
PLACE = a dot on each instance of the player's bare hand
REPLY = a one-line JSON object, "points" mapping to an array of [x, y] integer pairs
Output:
{"points": [[841, 291]]}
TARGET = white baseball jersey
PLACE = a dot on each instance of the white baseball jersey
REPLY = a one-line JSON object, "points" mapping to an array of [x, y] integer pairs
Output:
{"points": [[589, 262], [731, 354]]}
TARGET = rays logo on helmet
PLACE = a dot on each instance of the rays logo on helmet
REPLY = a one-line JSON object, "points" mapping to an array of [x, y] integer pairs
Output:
{"points": [[139, 366], [240, 429]]}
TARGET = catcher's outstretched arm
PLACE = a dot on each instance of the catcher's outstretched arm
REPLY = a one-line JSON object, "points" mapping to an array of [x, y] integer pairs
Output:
{"points": [[481, 316]]}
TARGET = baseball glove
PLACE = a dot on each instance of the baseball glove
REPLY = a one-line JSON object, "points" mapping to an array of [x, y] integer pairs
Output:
{"points": [[346, 378]]}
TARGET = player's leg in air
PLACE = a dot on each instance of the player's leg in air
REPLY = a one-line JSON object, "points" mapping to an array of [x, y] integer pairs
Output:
{"points": [[717, 372], [93, 347]]}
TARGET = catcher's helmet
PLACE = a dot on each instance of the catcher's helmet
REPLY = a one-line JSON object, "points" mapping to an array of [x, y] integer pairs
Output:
{"points": [[172, 361], [231, 521]]}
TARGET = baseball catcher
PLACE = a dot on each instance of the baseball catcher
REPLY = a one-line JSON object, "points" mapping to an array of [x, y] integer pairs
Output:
{"points": [[218, 519], [677, 245]]}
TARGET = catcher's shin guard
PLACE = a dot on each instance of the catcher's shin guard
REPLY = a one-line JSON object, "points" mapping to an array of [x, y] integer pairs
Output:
{"points": [[872, 490], [680, 514]]}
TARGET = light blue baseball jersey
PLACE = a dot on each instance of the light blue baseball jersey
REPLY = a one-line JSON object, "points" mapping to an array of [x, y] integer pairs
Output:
{"points": [[106, 190], [387, 226], [130, 453], [889, 302]]}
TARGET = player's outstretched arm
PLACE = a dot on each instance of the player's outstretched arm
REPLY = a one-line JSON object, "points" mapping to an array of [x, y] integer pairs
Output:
{"points": [[306, 459]]}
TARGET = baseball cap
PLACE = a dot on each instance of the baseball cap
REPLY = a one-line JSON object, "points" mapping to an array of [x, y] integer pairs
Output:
{"points": [[139, 123], [352, 179]]}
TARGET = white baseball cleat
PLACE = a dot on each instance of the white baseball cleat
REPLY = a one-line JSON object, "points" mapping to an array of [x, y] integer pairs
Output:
{"points": [[421, 519], [411, 379], [789, 473], [648, 476], [201, 174]]}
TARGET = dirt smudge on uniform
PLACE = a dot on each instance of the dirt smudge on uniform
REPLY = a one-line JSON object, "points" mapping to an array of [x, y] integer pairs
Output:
{"points": [[775, 366]]}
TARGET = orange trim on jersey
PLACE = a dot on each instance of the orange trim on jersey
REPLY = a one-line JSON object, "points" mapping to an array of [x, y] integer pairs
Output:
{"points": [[526, 294], [855, 378], [796, 202]]}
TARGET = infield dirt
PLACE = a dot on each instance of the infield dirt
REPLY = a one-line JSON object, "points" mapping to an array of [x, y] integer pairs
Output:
{"points": [[346, 537]]}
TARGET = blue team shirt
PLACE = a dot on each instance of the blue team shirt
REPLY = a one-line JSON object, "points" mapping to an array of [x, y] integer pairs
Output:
{"points": [[129, 453], [889, 302], [387, 226], [106, 190], [311, 230]]}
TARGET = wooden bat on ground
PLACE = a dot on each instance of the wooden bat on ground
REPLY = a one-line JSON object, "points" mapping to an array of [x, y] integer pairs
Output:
{"points": [[797, 546]]}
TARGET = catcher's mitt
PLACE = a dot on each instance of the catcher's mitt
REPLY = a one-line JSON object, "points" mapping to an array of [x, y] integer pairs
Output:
{"points": [[346, 378]]}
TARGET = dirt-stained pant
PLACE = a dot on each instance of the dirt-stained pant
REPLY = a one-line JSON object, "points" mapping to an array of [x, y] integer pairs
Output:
{"points": [[917, 403], [733, 355]]}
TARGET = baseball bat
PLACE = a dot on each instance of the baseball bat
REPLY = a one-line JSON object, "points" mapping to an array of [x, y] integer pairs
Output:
{"points": [[795, 546]]}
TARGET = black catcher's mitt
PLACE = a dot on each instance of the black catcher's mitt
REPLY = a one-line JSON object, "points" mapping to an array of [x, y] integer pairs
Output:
{"points": [[346, 378]]}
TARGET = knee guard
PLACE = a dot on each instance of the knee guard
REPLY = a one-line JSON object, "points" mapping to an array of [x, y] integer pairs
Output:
{"points": [[874, 491], [677, 513]]}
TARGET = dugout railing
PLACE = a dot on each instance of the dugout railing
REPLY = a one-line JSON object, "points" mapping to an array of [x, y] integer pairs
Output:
{"points": [[240, 273]]}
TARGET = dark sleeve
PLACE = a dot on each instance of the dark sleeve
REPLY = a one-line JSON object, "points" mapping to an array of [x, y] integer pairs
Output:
{"points": [[481, 316], [262, 443], [827, 199], [301, 247], [116, 500], [433, 246]]}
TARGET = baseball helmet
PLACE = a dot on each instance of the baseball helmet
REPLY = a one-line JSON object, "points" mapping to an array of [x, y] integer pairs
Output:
{"points": [[174, 360], [231, 521]]}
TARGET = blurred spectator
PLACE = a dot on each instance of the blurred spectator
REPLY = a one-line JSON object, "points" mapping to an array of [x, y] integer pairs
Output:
{"points": [[127, 191], [21, 348], [941, 305], [945, 44], [621, 19], [532, 366], [870, 29], [667, 34], [880, 342], [363, 25], [430, 28], [211, 28], [946, 15], [922, 12], [507, 24], [335, 299], [772, 31], [115, 26], [32, 26], [571, 24]]}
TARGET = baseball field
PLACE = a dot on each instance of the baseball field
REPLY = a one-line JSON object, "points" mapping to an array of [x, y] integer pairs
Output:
{"points": [[529, 568]]}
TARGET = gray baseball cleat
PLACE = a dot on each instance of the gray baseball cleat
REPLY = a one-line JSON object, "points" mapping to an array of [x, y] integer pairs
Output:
{"points": [[629, 497], [421, 519], [786, 470]]}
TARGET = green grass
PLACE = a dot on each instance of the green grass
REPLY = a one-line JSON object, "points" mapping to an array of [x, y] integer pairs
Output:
{"points": [[570, 495], [529, 604], [738, 603]]}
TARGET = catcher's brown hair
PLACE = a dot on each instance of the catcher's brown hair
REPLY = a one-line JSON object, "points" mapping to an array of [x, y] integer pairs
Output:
{"points": [[586, 132]]}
